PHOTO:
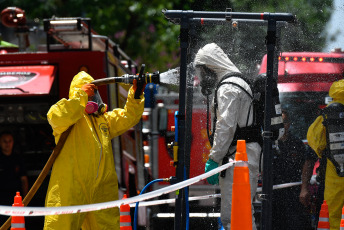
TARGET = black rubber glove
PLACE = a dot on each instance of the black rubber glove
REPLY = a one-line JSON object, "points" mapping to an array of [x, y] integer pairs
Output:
{"points": [[139, 87]]}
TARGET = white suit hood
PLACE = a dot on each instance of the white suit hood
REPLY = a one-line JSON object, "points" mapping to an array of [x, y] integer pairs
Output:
{"points": [[213, 57]]}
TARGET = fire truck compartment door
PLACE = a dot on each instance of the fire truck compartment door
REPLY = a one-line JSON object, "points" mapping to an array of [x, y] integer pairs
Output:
{"points": [[26, 80]]}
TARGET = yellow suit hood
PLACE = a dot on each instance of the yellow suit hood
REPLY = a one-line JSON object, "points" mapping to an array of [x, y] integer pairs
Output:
{"points": [[78, 81], [337, 91]]}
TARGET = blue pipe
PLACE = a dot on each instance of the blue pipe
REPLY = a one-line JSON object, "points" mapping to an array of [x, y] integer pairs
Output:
{"points": [[137, 203], [176, 126]]}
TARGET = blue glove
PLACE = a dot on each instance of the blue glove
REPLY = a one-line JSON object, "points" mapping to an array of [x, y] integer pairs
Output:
{"points": [[210, 165]]}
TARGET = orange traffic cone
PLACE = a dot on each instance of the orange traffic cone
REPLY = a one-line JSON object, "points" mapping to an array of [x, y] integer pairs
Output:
{"points": [[342, 224], [18, 222], [342, 221], [324, 223], [125, 218], [241, 217]]}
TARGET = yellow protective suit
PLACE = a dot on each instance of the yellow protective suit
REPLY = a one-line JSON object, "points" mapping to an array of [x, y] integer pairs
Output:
{"points": [[334, 185], [84, 172]]}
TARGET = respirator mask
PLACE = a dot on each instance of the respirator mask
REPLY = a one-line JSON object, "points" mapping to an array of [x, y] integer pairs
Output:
{"points": [[207, 77], [96, 106]]}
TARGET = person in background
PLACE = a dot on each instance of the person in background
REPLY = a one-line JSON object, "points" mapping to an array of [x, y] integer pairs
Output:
{"points": [[325, 137], [290, 159], [13, 176], [213, 67], [84, 172], [312, 188]]}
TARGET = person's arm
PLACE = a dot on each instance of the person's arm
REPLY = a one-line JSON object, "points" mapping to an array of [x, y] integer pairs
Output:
{"points": [[25, 185], [120, 120], [307, 171], [67, 112]]}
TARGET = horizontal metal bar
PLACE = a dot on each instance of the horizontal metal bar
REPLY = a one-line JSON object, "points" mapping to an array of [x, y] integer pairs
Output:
{"points": [[178, 14], [222, 21]]}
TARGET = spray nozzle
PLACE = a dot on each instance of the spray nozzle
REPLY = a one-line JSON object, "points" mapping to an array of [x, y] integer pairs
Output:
{"points": [[129, 79]]}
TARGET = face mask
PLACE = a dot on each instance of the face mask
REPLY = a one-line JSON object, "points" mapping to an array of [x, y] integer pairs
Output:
{"points": [[96, 106], [91, 107], [208, 79]]}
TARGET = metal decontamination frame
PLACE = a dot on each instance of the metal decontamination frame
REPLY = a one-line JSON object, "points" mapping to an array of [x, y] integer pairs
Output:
{"points": [[186, 19]]}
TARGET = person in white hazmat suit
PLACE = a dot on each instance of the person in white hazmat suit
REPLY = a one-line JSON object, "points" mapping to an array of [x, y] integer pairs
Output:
{"points": [[233, 108]]}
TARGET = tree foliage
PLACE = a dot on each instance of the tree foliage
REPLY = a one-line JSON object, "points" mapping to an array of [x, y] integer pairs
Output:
{"points": [[308, 33], [142, 31]]}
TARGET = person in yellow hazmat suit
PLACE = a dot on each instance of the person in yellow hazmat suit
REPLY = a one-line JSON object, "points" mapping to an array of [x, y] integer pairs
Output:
{"points": [[84, 172], [332, 148]]}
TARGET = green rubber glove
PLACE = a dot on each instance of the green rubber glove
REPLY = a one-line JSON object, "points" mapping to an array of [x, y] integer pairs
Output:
{"points": [[210, 165]]}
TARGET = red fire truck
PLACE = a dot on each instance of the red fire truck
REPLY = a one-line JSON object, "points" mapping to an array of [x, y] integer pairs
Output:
{"points": [[30, 82], [304, 79]]}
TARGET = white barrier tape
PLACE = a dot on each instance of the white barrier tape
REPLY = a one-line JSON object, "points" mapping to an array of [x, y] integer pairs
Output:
{"points": [[170, 201], [37, 211], [279, 186]]}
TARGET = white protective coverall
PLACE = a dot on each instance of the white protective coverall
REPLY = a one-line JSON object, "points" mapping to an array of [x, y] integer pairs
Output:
{"points": [[233, 108], [84, 172]]}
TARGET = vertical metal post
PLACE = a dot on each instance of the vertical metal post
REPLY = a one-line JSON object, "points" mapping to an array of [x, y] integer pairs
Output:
{"points": [[180, 212], [188, 138], [267, 145]]}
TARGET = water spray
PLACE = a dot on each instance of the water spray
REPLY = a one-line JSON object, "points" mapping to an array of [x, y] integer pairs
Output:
{"points": [[170, 77]]}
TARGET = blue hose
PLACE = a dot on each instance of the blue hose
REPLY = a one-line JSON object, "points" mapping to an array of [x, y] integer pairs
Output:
{"points": [[137, 203]]}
